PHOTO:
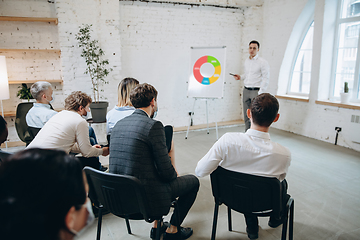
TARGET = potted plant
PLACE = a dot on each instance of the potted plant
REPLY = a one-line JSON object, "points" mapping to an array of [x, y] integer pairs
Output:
{"points": [[24, 93], [344, 96], [96, 68]]}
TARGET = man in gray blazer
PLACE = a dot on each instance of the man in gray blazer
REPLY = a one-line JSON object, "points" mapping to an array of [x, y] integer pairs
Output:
{"points": [[138, 148]]}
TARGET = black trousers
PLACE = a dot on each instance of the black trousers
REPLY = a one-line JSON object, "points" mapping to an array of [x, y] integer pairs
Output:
{"points": [[90, 161], [185, 188], [252, 221]]}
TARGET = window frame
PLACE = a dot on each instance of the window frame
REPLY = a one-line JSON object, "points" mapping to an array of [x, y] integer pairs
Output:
{"points": [[303, 35], [355, 87]]}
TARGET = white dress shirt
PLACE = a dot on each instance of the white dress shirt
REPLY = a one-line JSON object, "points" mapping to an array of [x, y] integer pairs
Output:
{"points": [[251, 152], [66, 131], [39, 114], [257, 73], [115, 115]]}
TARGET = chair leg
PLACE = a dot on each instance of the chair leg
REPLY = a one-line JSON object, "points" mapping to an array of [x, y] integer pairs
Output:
{"points": [[291, 221], [216, 211], [158, 232], [99, 223], [284, 228], [128, 224], [229, 219]]}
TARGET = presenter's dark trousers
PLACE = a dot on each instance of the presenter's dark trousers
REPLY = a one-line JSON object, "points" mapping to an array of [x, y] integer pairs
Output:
{"points": [[248, 95], [252, 221], [184, 188]]}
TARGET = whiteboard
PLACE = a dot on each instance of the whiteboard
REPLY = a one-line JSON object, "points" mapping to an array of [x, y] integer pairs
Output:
{"points": [[207, 71]]}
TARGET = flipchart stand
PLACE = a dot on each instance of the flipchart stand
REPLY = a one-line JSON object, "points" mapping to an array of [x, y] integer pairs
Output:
{"points": [[207, 117]]}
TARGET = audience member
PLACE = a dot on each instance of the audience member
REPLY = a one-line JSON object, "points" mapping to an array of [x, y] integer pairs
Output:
{"points": [[3, 137], [138, 148], [124, 107], [43, 196], [41, 111], [252, 152], [68, 131], [3, 130]]}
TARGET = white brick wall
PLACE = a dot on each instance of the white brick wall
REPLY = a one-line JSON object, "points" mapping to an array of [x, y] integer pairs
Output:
{"points": [[308, 119], [151, 42], [156, 41]]}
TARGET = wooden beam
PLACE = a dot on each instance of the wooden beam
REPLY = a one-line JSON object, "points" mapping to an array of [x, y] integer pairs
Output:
{"points": [[29, 19], [33, 81]]}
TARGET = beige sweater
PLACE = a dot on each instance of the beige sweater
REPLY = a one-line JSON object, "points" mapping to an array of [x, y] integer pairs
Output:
{"points": [[66, 131]]}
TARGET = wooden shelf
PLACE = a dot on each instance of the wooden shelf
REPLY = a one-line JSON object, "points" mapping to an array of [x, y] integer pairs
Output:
{"points": [[13, 113], [58, 51], [29, 19], [33, 81]]}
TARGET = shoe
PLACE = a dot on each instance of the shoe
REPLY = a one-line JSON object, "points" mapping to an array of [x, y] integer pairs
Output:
{"points": [[103, 168], [274, 223], [162, 230], [184, 233], [252, 235]]}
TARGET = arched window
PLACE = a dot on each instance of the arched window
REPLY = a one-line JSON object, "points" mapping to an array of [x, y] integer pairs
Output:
{"points": [[347, 60], [299, 83]]}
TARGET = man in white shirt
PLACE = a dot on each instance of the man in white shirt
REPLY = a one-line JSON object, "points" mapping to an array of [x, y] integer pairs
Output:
{"points": [[252, 152], [256, 78], [41, 111]]}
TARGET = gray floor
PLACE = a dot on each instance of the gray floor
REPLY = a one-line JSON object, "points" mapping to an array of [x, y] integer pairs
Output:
{"points": [[323, 179]]}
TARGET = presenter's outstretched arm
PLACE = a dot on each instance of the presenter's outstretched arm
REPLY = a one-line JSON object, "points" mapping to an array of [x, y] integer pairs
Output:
{"points": [[237, 77]]}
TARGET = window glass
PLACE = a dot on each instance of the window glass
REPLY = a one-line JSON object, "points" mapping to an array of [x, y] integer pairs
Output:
{"points": [[346, 59], [301, 74], [350, 8]]}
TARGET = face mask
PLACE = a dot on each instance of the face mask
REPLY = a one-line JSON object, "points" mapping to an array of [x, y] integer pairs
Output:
{"points": [[89, 221], [53, 98], [87, 115], [156, 112]]}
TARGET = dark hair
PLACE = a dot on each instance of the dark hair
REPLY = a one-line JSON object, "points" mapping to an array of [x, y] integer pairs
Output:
{"points": [[264, 109], [256, 42], [142, 95], [3, 130], [125, 87], [77, 99], [37, 189]]}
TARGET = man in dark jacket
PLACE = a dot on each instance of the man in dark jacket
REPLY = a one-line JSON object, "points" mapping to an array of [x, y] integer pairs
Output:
{"points": [[138, 148]]}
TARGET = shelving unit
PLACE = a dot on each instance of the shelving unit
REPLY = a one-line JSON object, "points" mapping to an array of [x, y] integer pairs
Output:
{"points": [[29, 19], [13, 113], [33, 81], [58, 51]]}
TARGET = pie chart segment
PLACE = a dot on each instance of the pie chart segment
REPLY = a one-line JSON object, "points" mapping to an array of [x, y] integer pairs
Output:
{"points": [[216, 74], [207, 80]]}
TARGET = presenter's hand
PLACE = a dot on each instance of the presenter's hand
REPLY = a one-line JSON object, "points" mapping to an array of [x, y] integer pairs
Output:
{"points": [[105, 151], [237, 77]]}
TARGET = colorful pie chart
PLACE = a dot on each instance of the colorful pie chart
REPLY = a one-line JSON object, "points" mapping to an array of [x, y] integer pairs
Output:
{"points": [[207, 80]]}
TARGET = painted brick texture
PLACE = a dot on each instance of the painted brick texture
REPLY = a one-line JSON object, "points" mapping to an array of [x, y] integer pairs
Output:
{"points": [[156, 41]]}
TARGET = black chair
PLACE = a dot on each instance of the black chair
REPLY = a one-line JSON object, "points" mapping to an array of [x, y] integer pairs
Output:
{"points": [[20, 122], [247, 193], [124, 196], [4, 155], [33, 131]]}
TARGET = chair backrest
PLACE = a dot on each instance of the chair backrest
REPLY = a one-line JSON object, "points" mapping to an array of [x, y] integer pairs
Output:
{"points": [[33, 131], [20, 122], [120, 194], [246, 193], [4, 155]]}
